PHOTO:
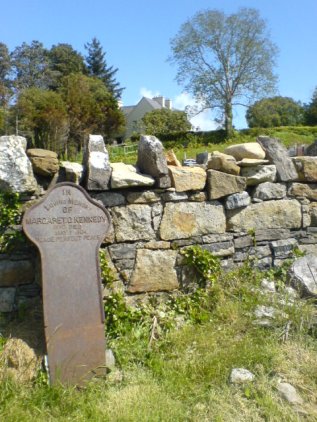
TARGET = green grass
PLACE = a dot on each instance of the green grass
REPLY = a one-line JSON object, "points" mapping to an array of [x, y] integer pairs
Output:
{"points": [[288, 135], [183, 375]]}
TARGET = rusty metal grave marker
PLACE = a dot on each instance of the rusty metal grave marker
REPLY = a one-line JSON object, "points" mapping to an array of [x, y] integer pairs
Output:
{"points": [[68, 227]]}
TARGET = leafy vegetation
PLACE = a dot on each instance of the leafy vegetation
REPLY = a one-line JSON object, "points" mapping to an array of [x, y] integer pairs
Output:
{"points": [[275, 112], [10, 216], [165, 121], [224, 60], [174, 358]]}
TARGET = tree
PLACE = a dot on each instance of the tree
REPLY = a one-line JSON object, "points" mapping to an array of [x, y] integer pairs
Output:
{"points": [[43, 118], [275, 111], [165, 121], [311, 110], [30, 65], [64, 60], [91, 108], [97, 67], [5, 85], [224, 60]]}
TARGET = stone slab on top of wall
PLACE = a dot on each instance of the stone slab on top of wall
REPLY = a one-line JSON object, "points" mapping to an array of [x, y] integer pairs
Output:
{"points": [[187, 178], [152, 161], [97, 164], [44, 162], [277, 154], [16, 173]]}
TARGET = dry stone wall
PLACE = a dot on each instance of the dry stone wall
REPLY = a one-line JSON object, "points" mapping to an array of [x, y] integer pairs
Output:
{"points": [[262, 212]]}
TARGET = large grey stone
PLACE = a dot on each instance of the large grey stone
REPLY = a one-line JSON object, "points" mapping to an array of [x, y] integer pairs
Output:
{"points": [[44, 162], [267, 215], [267, 191], [97, 164], [13, 273], [277, 155], [16, 173], [152, 161], [259, 174], [154, 271], [303, 275], [133, 222], [237, 200], [127, 175], [222, 184], [187, 178], [183, 220], [247, 150]]}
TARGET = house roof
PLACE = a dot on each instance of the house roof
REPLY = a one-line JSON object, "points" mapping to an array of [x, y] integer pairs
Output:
{"points": [[154, 104]]}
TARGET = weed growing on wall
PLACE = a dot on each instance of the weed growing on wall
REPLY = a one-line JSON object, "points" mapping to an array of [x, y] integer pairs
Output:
{"points": [[206, 264], [10, 216]]}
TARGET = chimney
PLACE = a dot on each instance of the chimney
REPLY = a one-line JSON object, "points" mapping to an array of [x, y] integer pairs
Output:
{"points": [[160, 99], [168, 103]]}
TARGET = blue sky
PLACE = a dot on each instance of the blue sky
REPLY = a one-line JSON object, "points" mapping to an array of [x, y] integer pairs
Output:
{"points": [[136, 37]]}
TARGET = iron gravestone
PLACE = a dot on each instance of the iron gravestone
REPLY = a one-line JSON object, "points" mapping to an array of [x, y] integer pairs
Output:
{"points": [[68, 227]]}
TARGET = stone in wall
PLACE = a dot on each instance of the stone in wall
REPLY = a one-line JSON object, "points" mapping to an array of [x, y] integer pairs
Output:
{"points": [[306, 168], [220, 163], [110, 199], [171, 159], [44, 162], [259, 174], [313, 214], [73, 171], [127, 175], [183, 220], [187, 178], [277, 155], [172, 196], [143, 197], [7, 299], [267, 191], [247, 150], [14, 273], [133, 222], [267, 215], [97, 164], [221, 184], [152, 161], [154, 271], [252, 162], [303, 190], [16, 173], [237, 200]]}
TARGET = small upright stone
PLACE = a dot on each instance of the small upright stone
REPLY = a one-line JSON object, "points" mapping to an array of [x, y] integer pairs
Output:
{"points": [[16, 174], [277, 154], [152, 161], [73, 171], [97, 164]]}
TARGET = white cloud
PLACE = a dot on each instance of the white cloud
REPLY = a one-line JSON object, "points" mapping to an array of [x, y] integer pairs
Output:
{"points": [[144, 92], [203, 120]]}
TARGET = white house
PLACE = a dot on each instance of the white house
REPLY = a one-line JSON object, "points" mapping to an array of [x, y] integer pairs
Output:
{"points": [[134, 114]]}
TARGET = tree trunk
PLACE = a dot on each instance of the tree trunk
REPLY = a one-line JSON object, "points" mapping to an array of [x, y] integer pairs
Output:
{"points": [[228, 119]]}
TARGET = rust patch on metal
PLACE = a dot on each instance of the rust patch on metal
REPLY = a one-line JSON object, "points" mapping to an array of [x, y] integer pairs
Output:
{"points": [[68, 227]]}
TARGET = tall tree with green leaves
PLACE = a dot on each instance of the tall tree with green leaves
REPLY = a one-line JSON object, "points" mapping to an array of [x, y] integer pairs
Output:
{"points": [[224, 60], [163, 121], [5, 86], [98, 68], [275, 111], [91, 108], [31, 66], [43, 118], [311, 110], [64, 60]]}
